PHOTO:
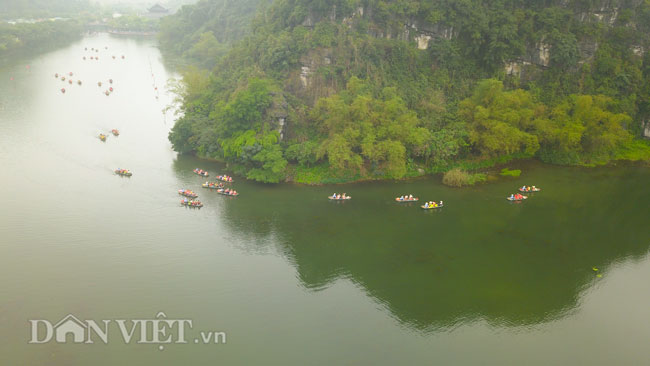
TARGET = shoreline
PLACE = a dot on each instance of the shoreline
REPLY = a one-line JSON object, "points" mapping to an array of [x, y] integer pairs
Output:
{"points": [[131, 33], [492, 171]]}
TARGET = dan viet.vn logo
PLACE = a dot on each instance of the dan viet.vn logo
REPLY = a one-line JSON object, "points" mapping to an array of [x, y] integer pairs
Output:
{"points": [[159, 331]]}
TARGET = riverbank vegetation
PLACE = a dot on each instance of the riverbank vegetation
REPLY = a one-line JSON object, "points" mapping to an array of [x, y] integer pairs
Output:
{"points": [[33, 9], [45, 35], [325, 91]]}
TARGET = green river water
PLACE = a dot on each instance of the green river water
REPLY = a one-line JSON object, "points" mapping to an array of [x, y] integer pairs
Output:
{"points": [[290, 277]]}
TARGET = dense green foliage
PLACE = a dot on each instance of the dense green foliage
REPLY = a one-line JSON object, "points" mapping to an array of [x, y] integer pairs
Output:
{"points": [[199, 34], [323, 90], [505, 172], [460, 178], [24, 37], [10, 9]]}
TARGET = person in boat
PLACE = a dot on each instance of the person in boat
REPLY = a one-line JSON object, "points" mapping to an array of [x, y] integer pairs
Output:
{"points": [[338, 196], [440, 203], [534, 189]]}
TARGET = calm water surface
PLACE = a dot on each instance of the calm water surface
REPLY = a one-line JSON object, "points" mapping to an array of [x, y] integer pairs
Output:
{"points": [[290, 277]]}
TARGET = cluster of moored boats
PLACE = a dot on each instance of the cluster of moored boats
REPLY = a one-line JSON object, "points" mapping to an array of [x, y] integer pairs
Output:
{"points": [[218, 186]]}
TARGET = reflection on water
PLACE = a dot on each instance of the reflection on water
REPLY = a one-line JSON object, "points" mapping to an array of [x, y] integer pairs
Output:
{"points": [[479, 258]]}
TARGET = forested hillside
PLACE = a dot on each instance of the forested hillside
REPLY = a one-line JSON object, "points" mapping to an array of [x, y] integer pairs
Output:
{"points": [[33, 37], [199, 34], [336, 90], [10, 9]]}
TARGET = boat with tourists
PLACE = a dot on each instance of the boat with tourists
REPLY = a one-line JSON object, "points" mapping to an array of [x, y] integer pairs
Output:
{"points": [[405, 198], [516, 197], [224, 178], [187, 193], [528, 189], [228, 192], [191, 203], [123, 172], [339, 197], [201, 172], [432, 205], [212, 185]]}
